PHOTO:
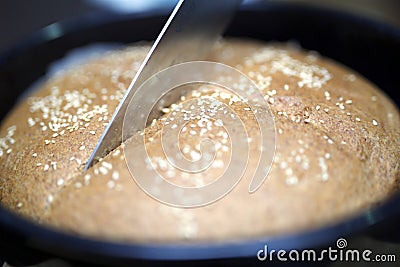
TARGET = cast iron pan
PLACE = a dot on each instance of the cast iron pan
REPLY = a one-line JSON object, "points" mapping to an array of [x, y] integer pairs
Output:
{"points": [[370, 47]]}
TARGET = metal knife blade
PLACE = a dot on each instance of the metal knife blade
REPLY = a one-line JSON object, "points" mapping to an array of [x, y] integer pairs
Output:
{"points": [[189, 33]]}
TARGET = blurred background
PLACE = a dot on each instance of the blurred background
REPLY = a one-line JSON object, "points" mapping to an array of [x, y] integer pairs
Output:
{"points": [[19, 18]]}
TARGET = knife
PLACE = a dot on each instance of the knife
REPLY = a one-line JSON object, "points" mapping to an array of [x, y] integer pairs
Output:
{"points": [[189, 33]]}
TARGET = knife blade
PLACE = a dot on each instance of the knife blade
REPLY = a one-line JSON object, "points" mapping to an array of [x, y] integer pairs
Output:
{"points": [[189, 33]]}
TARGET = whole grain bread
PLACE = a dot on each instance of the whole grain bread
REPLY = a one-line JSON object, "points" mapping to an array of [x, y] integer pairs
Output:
{"points": [[337, 150]]}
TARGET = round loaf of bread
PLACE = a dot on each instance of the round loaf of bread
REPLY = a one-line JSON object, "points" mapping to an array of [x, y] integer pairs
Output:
{"points": [[337, 150]]}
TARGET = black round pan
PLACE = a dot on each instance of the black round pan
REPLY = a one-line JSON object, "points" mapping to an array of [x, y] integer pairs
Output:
{"points": [[369, 47]]}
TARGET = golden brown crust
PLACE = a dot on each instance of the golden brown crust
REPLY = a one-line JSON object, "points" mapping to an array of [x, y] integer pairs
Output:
{"points": [[337, 154]]}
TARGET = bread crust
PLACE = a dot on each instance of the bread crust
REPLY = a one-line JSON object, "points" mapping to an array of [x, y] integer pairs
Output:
{"points": [[337, 151]]}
